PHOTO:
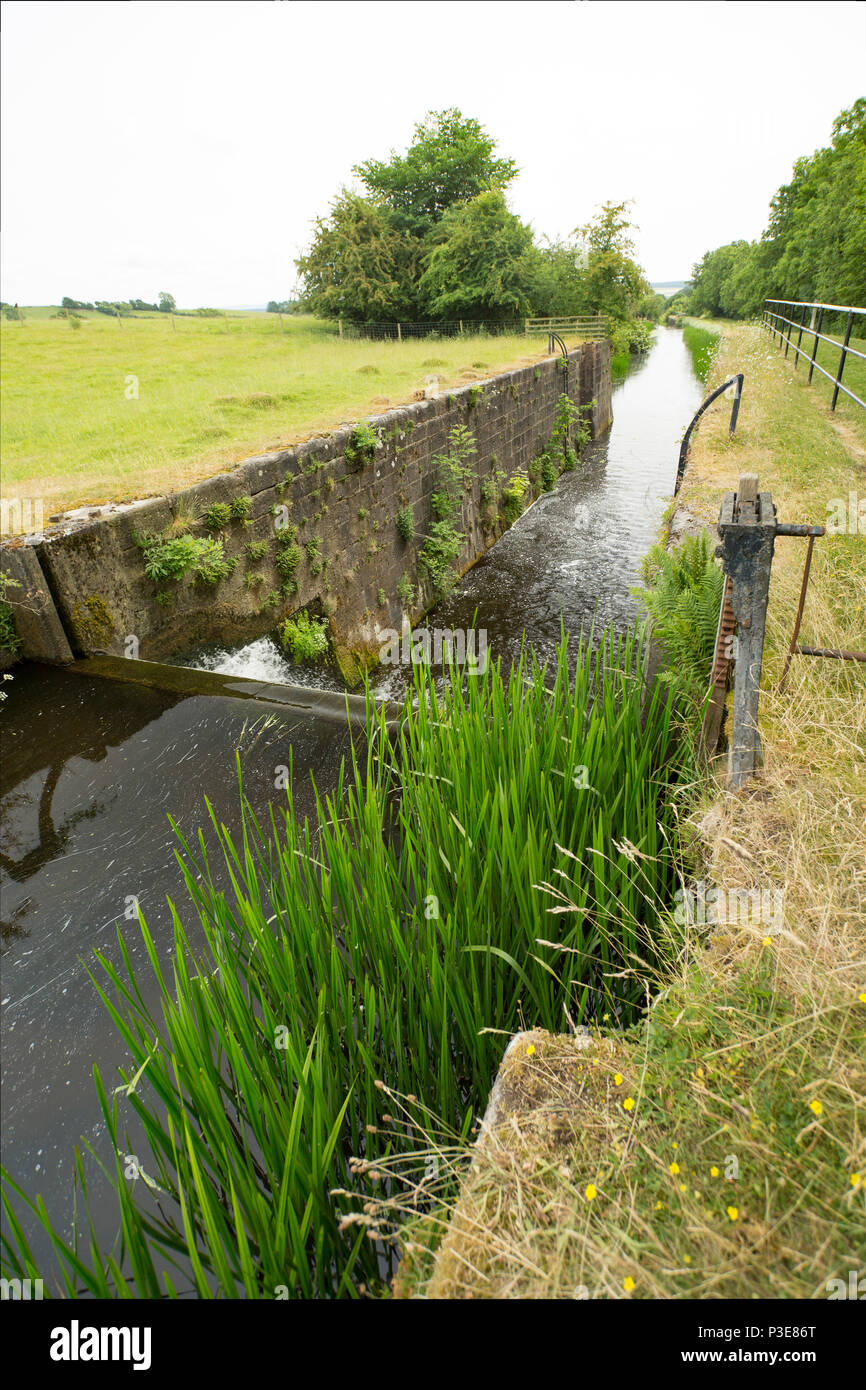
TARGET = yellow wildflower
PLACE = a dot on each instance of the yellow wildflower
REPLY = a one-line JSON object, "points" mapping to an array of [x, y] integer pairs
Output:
{"points": [[714, 1172], [816, 1107], [628, 1103], [675, 1168], [591, 1191], [733, 1213], [628, 1283], [530, 1050], [617, 1080]]}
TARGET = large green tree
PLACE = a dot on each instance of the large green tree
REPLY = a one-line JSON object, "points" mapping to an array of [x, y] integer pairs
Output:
{"points": [[482, 265], [614, 282], [360, 267], [366, 259], [450, 161]]}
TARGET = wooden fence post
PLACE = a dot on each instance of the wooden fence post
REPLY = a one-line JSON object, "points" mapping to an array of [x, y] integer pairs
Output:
{"points": [[399, 334]]}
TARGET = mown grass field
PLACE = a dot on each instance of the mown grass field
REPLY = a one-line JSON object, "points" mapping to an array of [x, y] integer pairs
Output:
{"points": [[209, 393]]}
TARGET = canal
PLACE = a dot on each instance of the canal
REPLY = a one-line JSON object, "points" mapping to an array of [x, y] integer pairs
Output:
{"points": [[92, 770]]}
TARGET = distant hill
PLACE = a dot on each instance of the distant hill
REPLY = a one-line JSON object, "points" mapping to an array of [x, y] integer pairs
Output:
{"points": [[668, 287]]}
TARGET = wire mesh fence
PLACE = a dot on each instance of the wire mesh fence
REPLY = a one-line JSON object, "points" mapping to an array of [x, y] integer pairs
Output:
{"points": [[589, 326], [468, 328]]}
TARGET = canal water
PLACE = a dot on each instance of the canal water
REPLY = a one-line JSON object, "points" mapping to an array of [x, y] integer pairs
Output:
{"points": [[92, 769]]}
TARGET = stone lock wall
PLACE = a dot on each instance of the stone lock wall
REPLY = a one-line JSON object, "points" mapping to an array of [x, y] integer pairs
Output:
{"points": [[95, 572]]}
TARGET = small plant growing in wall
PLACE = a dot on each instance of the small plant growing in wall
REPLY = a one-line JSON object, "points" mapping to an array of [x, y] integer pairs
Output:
{"points": [[475, 395], [241, 508], [256, 551], [305, 637], [9, 639], [288, 558], [443, 541], [167, 561], [254, 579], [212, 566], [406, 522], [382, 597], [362, 446], [514, 495], [218, 516], [406, 592]]}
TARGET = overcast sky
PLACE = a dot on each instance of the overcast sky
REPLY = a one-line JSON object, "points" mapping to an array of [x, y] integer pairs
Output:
{"points": [[188, 147]]}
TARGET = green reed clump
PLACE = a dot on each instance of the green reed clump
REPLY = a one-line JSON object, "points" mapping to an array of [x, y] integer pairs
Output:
{"points": [[702, 344], [376, 945]]}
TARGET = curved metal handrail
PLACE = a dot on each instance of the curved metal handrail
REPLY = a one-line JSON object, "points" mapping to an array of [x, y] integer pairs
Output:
{"points": [[735, 380]]}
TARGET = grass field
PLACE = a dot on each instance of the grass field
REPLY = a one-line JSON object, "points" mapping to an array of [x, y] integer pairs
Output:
{"points": [[209, 393]]}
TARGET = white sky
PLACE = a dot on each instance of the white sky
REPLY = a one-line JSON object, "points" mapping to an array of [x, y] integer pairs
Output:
{"points": [[189, 146]]}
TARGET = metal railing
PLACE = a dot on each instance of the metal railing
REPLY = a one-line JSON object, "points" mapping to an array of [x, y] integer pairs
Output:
{"points": [[775, 321], [734, 382], [591, 326]]}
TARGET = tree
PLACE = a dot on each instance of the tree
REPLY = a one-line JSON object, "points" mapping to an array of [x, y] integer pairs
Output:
{"points": [[814, 247], [166, 302], [482, 265], [559, 281], [359, 266], [450, 161], [614, 281]]}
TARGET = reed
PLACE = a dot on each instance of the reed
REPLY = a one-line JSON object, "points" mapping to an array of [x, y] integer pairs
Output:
{"points": [[389, 942]]}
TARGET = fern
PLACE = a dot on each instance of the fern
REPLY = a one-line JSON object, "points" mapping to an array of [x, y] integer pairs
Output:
{"points": [[683, 597]]}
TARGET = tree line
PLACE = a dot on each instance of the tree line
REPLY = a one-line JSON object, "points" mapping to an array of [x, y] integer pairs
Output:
{"points": [[123, 307], [431, 238], [814, 246]]}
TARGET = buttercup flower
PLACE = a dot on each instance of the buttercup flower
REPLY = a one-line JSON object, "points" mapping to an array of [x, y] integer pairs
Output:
{"points": [[628, 1283], [675, 1168], [590, 1191], [816, 1107], [733, 1213]]}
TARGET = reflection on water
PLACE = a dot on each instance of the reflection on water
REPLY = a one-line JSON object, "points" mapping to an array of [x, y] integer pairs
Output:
{"points": [[91, 771]]}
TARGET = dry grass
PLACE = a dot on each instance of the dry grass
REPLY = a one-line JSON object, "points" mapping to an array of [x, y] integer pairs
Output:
{"points": [[749, 1073]]}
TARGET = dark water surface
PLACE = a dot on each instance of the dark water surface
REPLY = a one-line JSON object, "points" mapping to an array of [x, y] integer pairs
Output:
{"points": [[91, 769]]}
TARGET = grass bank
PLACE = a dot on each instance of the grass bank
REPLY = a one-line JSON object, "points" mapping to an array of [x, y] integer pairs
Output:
{"points": [[119, 409], [716, 1149]]}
